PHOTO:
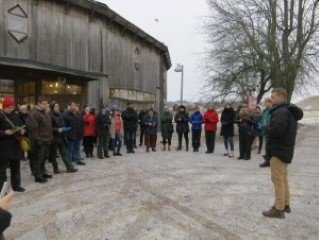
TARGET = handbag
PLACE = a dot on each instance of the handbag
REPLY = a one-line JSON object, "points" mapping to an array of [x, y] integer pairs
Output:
{"points": [[25, 144]]}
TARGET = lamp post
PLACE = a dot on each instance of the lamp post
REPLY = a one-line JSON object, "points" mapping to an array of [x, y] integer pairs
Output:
{"points": [[180, 68]]}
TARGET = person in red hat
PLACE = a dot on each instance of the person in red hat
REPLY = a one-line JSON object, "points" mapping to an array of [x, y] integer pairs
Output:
{"points": [[10, 149]]}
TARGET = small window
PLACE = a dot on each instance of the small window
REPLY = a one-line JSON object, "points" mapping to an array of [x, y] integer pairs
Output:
{"points": [[17, 23]]}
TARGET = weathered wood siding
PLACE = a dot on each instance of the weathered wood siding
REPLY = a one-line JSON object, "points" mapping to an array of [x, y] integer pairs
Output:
{"points": [[70, 38]]}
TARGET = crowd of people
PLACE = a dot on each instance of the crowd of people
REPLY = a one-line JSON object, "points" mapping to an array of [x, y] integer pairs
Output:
{"points": [[53, 132]]}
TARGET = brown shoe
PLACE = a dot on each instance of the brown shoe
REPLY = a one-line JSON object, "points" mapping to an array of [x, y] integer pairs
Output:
{"points": [[169, 148], [274, 213], [164, 148]]}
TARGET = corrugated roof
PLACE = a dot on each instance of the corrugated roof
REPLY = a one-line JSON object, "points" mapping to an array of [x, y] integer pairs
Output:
{"points": [[101, 8]]}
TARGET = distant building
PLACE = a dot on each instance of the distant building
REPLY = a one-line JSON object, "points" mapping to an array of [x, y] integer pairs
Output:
{"points": [[78, 50]]}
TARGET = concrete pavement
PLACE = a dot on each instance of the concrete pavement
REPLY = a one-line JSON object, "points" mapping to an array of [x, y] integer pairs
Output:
{"points": [[170, 195]]}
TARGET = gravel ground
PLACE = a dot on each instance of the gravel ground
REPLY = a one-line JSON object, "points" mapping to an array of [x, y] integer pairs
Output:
{"points": [[170, 195]]}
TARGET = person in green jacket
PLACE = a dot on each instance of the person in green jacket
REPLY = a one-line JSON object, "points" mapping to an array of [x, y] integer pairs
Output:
{"points": [[265, 119], [167, 128]]}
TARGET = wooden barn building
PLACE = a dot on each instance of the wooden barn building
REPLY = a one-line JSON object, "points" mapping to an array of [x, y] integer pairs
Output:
{"points": [[78, 50]]}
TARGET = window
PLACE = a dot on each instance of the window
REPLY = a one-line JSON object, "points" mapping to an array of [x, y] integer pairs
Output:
{"points": [[17, 23], [50, 87], [6, 89]]}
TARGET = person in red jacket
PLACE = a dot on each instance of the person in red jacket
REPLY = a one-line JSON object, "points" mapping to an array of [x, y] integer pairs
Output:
{"points": [[210, 119], [89, 132]]}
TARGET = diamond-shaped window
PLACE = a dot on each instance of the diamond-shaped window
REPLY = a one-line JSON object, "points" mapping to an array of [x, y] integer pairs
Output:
{"points": [[17, 23]]}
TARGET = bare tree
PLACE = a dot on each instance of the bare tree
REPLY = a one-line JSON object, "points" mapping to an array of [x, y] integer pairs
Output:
{"points": [[260, 44]]}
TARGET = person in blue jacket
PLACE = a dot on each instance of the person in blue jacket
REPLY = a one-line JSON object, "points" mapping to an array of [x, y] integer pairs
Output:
{"points": [[196, 120]]}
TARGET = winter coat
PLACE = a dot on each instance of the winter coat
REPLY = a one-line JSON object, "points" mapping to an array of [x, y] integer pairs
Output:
{"points": [[167, 127], [130, 118], [150, 124], [265, 119], [210, 119], [227, 120], [103, 123], [256, 118], [282, 130], [181, 119], [141, 116], [40, 126], [75, 121], [89, 121], [112, 127], [5, 219], [9, 145], [57, 123], [196, 120]]}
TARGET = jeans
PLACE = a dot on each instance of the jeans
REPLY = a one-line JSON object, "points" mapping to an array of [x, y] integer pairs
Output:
{"points": [[64, 155], [117, 143], [74, 150], [229, 143], [130, 136]]}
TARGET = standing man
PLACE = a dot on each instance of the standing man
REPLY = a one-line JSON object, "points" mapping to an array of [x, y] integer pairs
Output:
{"points": [[182, 128], [141, 116], [73, 119], [40, 128], [103, 123], [10, 150], [59, 140], [281, 132], [130, 119]]}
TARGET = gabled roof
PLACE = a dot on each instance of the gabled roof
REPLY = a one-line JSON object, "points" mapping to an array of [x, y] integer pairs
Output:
{"points": [[103, 9]]}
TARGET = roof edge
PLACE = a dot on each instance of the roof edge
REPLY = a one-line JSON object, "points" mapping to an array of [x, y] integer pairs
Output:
{"points": [[104, 10]]}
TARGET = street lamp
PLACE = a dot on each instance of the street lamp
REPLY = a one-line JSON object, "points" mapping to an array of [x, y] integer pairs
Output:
{"points": [[180, 68]]}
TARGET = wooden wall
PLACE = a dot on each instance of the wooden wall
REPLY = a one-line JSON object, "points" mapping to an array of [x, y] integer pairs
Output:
{"points": [[68, 37]]}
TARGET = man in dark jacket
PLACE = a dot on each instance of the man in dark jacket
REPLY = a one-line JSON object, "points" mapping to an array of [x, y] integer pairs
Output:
{"points": [[181, 118], [10, 150], [103, 123], [141, 116], [73, 119], [130, 119], [40, 132], [281, 132], [59, 140]]}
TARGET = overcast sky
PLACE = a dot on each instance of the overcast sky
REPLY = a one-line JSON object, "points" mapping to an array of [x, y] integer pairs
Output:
{"points": [[178, 27]]}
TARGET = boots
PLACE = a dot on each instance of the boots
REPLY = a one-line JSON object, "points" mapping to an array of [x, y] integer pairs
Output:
{"points": [[164, 147], [169, 148], [55, 168], [106, 154]]}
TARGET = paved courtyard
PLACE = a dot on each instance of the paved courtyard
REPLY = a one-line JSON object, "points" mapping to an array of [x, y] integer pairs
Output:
{"points": [[170, 195]]}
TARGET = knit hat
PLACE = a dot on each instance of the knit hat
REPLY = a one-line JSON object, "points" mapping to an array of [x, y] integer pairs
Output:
{"points": [[8, 101]]}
